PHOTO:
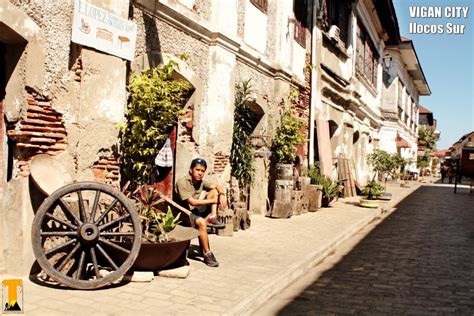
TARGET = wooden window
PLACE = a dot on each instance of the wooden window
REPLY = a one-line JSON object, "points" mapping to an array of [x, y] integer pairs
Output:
{"points": [[367, 58], [400, 94], [338, 14], [262, 5], [300, 9]]}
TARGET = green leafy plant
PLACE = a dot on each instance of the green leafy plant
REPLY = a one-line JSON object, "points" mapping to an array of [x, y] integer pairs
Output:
{"points": [[155, 224], [241, 157], [314, 172], [385, 164], [287, 137], [330, 187], [423, 161], [156, 101], [165, 223], [427, 137], [373, 189]]}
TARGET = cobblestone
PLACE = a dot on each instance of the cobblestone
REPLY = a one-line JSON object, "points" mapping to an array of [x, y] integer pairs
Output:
{"points": [[419, 260]]}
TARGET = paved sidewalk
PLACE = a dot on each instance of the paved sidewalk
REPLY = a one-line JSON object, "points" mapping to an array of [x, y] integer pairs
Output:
{"points": [[254, 265]]}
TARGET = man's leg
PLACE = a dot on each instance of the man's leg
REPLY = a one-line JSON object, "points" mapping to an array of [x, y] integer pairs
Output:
{"points": [[209, 258], [212, 219], [201, 225], [212, 195]]}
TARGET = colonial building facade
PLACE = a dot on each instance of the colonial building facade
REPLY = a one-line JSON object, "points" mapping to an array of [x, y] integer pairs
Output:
{"points": [[352, 40], [63, 99], [404, 83]]}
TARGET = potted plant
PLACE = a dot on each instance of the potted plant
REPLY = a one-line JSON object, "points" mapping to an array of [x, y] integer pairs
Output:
{"points": [[315, 189], [329, 188], [372, 190], [156, 100], [163, 240], [287, 137], [385, 164]]}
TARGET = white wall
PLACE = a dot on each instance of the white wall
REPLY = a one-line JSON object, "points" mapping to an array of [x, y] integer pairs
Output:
{"points": [[255, 28]]}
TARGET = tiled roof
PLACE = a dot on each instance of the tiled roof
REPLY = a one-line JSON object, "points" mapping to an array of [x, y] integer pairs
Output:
{"points": [[424, 110]]}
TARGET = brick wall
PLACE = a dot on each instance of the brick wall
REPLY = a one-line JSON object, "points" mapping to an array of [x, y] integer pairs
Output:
{"points": [[220, 162], [107, 169], [41, 132], [186, 124]]}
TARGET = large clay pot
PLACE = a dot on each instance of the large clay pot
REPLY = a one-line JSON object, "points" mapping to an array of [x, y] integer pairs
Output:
{"points": [[156, 256]]}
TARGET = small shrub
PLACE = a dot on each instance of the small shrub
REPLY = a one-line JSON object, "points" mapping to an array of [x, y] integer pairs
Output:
{"points": [[373, 189]]}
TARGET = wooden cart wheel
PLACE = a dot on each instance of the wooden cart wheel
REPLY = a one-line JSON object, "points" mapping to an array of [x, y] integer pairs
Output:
{"points": [[75, 231]]}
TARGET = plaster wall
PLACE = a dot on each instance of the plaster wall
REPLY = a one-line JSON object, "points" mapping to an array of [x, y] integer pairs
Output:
{"points": [[255, 27], [91, 106], [224, 16], [387, 135], [217, 116]]}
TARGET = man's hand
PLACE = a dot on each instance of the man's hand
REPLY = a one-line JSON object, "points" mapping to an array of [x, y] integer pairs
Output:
{"points": [[222, 200]]}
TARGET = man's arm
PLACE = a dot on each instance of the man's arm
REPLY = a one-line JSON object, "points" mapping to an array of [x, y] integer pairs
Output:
{"points": [[222, 200], [196, 202]]}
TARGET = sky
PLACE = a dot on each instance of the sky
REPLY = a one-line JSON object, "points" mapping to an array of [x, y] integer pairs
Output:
{"points": [[446, 60]]}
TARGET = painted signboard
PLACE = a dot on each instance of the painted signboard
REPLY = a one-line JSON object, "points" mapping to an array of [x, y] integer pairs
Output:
{"points": [[98, 28]]}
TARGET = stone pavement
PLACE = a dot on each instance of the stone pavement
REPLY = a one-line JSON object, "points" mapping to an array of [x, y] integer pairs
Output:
{"points": [[417, 261], [254, 265]]}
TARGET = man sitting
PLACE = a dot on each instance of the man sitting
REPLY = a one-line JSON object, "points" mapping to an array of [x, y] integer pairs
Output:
{"points": [[203, 199]]}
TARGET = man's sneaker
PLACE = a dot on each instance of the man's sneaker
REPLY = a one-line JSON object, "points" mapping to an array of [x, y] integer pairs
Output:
{"points": [[210, 260], [213, 221]]}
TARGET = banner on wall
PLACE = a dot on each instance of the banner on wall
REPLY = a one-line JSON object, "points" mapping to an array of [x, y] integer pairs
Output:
{"points": [[98, 28]]}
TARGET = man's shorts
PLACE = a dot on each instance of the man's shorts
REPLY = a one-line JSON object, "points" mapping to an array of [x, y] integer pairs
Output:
{"points": [[200, 211]]}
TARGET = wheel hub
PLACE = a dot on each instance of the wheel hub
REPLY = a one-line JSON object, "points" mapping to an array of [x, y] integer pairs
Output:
{"points": [[89, 233]]}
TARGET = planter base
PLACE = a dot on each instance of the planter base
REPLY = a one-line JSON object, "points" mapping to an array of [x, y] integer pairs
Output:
{"points": [[369, 203]]}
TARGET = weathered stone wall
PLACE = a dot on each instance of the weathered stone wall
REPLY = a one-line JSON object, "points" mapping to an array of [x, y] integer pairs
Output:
{"points": [[69, 107]]}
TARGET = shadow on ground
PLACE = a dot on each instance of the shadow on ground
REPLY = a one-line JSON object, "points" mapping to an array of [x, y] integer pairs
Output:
{"points": [[418, 260]]}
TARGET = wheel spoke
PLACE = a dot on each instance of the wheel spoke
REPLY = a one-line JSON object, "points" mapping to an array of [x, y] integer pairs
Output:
{"points": [[59, 233], [115, 246], [57, 248], [115, 221], [80, 267], [69, 256], [82, 212], [106, 211], [94, 262], [119, 234], [94, 206], [74, 227], [106, 256], [67, 211]]}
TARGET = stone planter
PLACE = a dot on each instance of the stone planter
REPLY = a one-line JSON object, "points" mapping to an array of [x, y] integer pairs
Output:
{"points": [[282, 206], [227, 217], [369, 203], [284, 171], [315, 197], [385, 196]]}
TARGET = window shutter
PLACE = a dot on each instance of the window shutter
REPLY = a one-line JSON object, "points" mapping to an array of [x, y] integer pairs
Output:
{"points": [[344, 11], [359, 50]]}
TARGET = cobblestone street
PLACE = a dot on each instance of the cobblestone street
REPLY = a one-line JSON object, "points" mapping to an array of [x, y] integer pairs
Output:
{"points": [[419, 260], [254, 265]]}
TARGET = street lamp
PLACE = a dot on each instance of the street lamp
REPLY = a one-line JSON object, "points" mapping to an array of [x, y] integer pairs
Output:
{"points": [[387, 61]]}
